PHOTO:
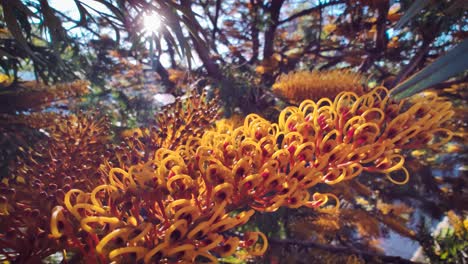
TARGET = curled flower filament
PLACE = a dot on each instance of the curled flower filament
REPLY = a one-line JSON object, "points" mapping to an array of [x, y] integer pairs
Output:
{"points": [[179, 205]]}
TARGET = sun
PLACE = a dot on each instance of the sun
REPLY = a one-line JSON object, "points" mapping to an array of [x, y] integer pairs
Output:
{"points": [[151, 22]]}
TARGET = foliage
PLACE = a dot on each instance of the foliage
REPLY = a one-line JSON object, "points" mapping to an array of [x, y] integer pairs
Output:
{"points": [[35, 31], [449, 243], [452, 243], [452, 63], [274, 37]]}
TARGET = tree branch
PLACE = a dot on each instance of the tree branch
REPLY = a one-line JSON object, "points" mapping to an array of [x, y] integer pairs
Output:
{"points": [[306, 12], [412, 64], [274, 11], [381, 38], [254, 31], [215, 21], [201, 47]]}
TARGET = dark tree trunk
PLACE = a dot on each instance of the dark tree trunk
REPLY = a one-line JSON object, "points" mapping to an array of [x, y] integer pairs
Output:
{"points": [[272, 24]]}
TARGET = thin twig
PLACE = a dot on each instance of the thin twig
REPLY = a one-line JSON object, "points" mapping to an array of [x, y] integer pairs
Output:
{"points": [[412, 64], [309, 10]]}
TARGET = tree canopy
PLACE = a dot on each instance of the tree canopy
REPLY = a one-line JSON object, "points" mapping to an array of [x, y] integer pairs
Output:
{"points": [[271, 37]]}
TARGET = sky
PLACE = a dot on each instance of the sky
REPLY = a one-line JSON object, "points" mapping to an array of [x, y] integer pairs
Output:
{"points": [[69, 8]]}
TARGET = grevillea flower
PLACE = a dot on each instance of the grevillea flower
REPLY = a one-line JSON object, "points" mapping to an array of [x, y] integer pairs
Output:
{"points": [[181, 204], [298, 86], [174, 125], [69, 157]]}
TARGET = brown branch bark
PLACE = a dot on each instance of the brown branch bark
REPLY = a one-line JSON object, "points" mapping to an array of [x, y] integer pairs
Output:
{"points": [[272, 24], [201, 47], [381, 40], [203, 52], [215, 22], [254, 31]]}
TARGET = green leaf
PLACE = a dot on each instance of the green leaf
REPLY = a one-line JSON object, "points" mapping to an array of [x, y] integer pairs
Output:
{"points": [[452, 63], [83, 13], [22, 8], [414, 9], [170, 39], [53, 23], [453, 251], [183, 43], [15, 29]]}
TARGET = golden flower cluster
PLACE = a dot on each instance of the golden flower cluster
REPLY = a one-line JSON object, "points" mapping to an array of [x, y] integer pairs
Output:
{"points": [[183, 204], [174, 125], [298, 86], [68, 156]]}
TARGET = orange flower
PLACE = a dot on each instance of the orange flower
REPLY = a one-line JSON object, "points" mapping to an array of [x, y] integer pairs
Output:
{"points": [[299, 86]]}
